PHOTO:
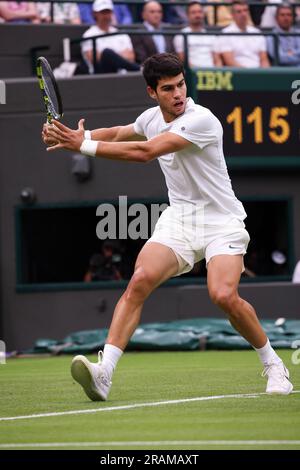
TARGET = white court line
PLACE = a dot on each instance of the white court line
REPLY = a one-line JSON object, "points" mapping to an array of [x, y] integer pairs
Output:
{"points": [[151, 443], [135, 405]]}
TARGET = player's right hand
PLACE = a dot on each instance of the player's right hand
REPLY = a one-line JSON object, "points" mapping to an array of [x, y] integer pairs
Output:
{"points": [[49, 141], [69, 139]]}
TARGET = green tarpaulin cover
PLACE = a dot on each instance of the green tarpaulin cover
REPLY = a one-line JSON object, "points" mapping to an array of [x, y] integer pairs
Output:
{"points": [[181, 335]]}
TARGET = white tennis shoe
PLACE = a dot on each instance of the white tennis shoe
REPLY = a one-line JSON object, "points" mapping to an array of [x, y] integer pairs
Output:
{"points": [[93, 377], [278, 379]]}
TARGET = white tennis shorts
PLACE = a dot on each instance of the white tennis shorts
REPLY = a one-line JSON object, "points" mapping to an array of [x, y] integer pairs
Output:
{"points": [[192, 240]]}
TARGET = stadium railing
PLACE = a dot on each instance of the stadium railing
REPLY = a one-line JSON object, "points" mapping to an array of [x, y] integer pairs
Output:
{"points": [[174, 32]]}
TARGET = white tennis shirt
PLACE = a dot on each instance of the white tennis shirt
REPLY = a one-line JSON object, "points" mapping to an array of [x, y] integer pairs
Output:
{"points": [[196, 175]]}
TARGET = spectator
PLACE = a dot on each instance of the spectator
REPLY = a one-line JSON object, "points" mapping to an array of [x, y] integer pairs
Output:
{"points": [[122, 14], [63, 13], [113, 53], [242, 51], [19, 12], [201, 49], [146, 45], [105, 266], [288, 46]]}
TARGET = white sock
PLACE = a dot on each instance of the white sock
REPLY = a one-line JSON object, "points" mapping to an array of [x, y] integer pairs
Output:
{"points": [[111, 355], [267, 354]]}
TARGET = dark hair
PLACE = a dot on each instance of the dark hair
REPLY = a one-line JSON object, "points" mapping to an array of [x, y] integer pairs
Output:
{"points": [[159, 66]]}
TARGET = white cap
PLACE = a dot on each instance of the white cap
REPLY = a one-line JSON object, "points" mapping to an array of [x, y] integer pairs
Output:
{"points": [[100, 5]]}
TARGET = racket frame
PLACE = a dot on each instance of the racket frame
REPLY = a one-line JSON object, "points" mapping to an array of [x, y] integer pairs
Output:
{"points": [[50, 109]]}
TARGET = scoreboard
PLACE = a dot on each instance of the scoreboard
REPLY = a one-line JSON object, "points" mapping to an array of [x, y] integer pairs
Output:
{"points": [[259, 110]]}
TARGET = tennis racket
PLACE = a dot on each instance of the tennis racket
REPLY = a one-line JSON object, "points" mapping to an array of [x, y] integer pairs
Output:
{"points": [[49, 89]]}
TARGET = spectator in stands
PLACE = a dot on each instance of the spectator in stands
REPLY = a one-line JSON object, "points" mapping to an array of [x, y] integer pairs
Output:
{"points": [[288, 46], [268, 19], [19, 12], [113, 53], [63, 13], [242, 51], [122, 14], [105, 266], [146, 45], [201, 49]]}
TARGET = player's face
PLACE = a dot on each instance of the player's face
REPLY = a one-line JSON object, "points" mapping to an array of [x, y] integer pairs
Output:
{"points": [[171, 96]]}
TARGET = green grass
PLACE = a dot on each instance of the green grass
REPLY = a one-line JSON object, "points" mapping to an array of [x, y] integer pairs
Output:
{"points": [[31, 386]]}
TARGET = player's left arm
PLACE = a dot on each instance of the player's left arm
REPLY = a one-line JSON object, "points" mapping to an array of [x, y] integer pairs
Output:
{"points": [[135, 151], [108, 134]]}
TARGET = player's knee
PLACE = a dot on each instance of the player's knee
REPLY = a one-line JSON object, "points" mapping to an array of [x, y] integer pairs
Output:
{"points": [[141, 284], [224, 297]]}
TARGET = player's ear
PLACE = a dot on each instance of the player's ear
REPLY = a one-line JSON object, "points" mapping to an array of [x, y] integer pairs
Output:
{"points": [[151, 93]]}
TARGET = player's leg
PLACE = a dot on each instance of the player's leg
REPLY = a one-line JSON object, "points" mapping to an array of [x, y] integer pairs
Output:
{"points": [[223, 276], [155, 264]]}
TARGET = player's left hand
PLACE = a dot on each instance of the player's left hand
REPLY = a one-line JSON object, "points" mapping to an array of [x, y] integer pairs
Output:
{"points": [[49, 142], [67, 138]]}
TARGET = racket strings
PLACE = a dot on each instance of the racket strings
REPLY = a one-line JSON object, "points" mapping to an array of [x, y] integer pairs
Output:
{"points": [[51, 94], [49, 89]]}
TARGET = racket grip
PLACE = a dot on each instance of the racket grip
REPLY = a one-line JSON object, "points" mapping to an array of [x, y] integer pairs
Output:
{"points": [[88, 135]]}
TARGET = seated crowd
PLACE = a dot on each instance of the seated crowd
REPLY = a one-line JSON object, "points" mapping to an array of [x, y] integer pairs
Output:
{"points": [[121, 52]]}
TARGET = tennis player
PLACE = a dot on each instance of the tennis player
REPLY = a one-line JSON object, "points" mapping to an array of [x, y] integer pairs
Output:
{"points": [[204, 219]]}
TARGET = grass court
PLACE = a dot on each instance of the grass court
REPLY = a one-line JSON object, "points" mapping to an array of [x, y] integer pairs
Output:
{"points": [[159, 400]]}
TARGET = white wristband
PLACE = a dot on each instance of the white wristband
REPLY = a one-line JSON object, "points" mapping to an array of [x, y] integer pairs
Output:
{"points": [[88, 135], [89, 147]]}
